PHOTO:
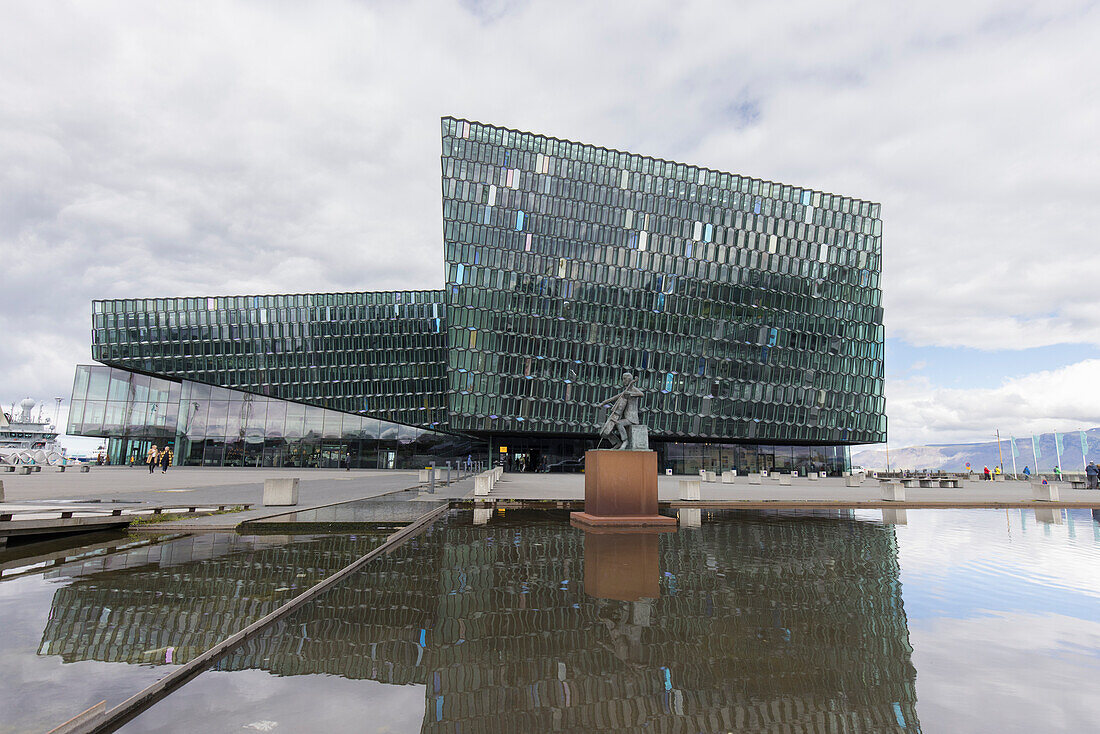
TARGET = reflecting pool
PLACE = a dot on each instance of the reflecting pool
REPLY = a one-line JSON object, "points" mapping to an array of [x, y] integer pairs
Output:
{"points": [[933, 620], [104, 621]]}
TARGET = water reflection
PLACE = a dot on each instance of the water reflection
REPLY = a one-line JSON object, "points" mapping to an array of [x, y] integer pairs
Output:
{"points": [[755, 623], [166, 603]]}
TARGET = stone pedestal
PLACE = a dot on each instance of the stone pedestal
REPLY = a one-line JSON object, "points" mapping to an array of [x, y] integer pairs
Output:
{"points": [[623, 566], [893, 492], [281, 492], [483, 484], [728, 476], [709, 476], [1044, 492], [689, 489], [620, 491], [852, 480], [84, 468], [754, 478], [813, 476], [784, 479]]}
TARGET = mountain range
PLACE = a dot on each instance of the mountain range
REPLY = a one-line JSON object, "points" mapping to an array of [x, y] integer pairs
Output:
{"points": [[954, 456]]}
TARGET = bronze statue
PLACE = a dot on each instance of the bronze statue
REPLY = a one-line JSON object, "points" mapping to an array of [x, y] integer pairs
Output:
{"points": [[623, 415]]}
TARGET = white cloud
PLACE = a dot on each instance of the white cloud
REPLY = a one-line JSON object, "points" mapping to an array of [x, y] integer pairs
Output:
{"points": [[173, 148], [1065, 399]]}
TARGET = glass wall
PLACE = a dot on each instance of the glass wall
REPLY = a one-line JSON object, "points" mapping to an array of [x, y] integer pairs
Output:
{"points": [[691, 458], [377, 352], [746, 309], [206, 425]]}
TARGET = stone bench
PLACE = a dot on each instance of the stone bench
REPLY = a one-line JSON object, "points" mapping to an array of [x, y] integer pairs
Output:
{"points": [[1077, 483], [928, 483], [24, 470], [84, 468], [950, 484]]}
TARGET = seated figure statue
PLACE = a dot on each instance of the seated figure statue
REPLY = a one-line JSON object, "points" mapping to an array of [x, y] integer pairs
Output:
{"points": [[623, 415]]}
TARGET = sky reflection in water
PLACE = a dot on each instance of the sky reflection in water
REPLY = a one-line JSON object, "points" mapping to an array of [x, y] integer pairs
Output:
{"points": [[956, 621]]}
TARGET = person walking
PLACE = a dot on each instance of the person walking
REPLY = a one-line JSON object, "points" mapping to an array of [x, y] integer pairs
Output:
{"points": [[165, 459], [1027, 472], [1091, 474], [151, 457], [1058, 472]]}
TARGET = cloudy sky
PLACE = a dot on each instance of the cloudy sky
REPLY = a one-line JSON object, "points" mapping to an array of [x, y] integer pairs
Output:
{"points": [[186, 148]]}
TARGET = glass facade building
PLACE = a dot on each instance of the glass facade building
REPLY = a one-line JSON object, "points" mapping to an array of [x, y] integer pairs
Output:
{"points": [[749, 311], [213, 426]]}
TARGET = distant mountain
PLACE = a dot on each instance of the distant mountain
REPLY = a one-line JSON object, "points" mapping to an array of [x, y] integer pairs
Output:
{"points": [[953, 457]]}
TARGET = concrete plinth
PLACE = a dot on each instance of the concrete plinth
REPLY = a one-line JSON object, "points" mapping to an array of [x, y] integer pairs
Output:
{"points": [[1044, 492], [852, 480], [728, 476], [483, 484], [754, 478], [813, 476], [620, 491], [893, 492], [84, 468], [689, 489], [423, 475], [784, 479], [482, 515], [709, 476], [1, 491], [281, 492], [24, 470]]}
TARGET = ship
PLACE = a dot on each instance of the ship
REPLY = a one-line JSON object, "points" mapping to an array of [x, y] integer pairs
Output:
{"points": [[25, 439]]}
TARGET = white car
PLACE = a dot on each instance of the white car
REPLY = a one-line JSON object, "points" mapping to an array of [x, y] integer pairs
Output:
{"points": [[859, 470]]}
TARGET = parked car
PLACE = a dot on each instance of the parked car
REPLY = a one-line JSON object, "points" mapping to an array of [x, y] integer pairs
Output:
{"points": [[859, 470]]}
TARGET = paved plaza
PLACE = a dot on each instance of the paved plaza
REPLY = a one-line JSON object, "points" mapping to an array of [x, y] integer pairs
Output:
{"points": [[199, 486]]}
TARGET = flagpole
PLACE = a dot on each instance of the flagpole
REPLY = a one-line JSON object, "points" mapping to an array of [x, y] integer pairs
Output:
{"points": [[1012, 444], [1084, 451], [1058, 451], [1000, 454], [1035, 453]]}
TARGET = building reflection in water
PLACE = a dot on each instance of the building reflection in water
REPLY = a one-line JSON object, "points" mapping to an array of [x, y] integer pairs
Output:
{"points": [[752, 622]]}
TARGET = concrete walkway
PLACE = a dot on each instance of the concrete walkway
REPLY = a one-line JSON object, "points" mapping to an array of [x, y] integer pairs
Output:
{"points": [[130, 488], [827, 492]]}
